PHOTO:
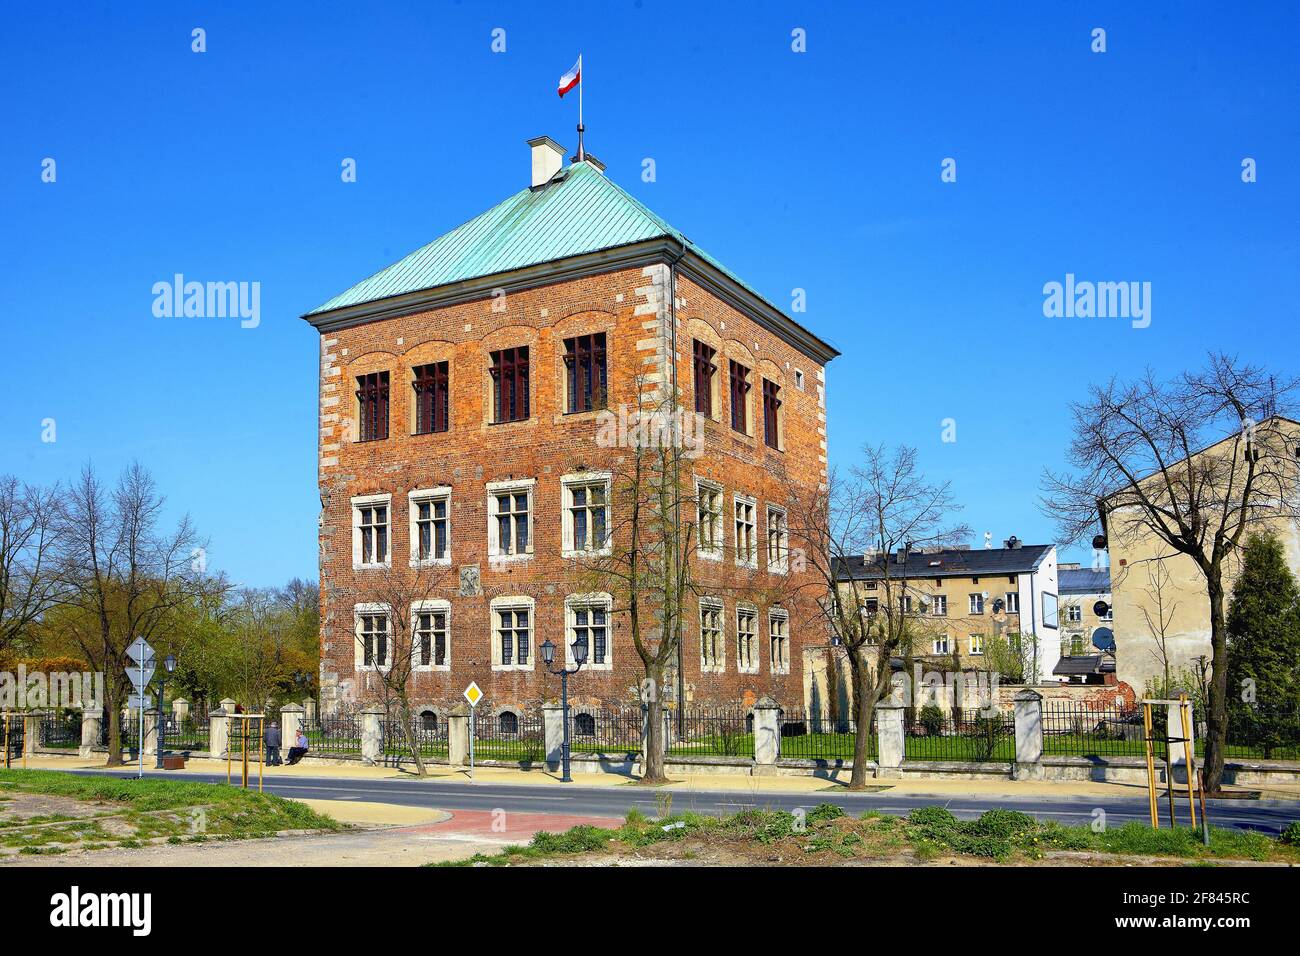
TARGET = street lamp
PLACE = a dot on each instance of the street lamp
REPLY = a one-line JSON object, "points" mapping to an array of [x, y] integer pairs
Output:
{"points": [[169, 668], [548, 658]]}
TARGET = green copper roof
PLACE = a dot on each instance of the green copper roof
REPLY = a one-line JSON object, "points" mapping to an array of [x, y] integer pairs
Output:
{"points": [[583, 212]]}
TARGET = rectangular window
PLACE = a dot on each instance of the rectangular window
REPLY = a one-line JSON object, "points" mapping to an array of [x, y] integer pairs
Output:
{"points": [[739, 397], [746, 538], [939, 605], [431, 398], [1049, 610], [771, 408], [871, 605], [746, 639], [431, 638], [709, 518], [590, 620], [586, 515], [513, 635], [778, 541], [977, 603], [977, 644], [1013, 602], [1073, 613], [779, 641], [905, 603], [372, 406], [941, 644], [711, 637], [584, 362], [431, 527], [373, 632], [510, 384], [510, 519], [373, 527], [704, 371]]}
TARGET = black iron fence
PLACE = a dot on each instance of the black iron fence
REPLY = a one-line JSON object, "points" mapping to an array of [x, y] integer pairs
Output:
{"points": [[938, 735], [187, 735], [1260, 733], [1076, 729], [606, 731], [12, 729], [722, 732], [430, 739], [510, 737], [817, 736], [339, 735], [61, 731]]}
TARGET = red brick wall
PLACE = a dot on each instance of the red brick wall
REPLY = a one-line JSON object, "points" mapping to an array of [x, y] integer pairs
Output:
{"points": [[630, 307]]}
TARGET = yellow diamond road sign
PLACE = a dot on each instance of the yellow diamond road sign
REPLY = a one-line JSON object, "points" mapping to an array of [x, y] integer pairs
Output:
{"points": [[473, 694]]}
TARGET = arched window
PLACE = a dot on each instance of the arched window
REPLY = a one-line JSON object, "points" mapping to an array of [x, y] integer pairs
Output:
{"points": [[428, 720], [584, 725], [508, 723]]}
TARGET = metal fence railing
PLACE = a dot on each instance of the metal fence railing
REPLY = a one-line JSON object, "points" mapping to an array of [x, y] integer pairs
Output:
{"points": [[12, 734], [61, 731], [1076, 729], [606, 731], [430, 739], [339, 736], [700, 732], [188, 735], [510, 737], [940, 736], [1258, 733], [820, 737]]}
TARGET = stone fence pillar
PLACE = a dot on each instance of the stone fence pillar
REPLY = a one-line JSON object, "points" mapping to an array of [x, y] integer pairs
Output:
{"points": [[553, 723], [309, 710], [219, 729], [890, 747], [92, 727], [1029, 736], [180, 710], [458, 736], [31, 732], [291, 721], [1178, 752], [152, 724], [372, 736], [767, 735]]}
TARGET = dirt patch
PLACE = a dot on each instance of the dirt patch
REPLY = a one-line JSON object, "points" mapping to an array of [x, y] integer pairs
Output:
{"points": [[20, 808]]}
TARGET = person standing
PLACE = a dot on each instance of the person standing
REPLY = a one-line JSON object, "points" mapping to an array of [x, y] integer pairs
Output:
{"points": [[273, 745]]}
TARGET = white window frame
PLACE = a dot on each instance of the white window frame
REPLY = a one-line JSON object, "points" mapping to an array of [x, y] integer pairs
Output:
{"points": [[977, 645], [940, 644], [743, 560], [977, 603], [358, 642], [584, 480], [1013, 602], [719, 530], [413, 501], [782, 564], [494, 488], [512, 603], [1073, 613], [429, 607], [755, 654], [719, 665], [1052, 613], [774, 615], [370, 501], [576, 602], [938, 601]]}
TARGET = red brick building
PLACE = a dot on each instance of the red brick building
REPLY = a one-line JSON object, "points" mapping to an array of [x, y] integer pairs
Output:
{"points": [[461, 390]]}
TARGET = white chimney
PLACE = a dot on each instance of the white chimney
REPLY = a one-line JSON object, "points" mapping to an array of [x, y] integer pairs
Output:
{"points": [[548, 157]]}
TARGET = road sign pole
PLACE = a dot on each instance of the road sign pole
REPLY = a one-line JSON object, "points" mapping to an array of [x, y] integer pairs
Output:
{"points": [[471, 741], [140, 747]]}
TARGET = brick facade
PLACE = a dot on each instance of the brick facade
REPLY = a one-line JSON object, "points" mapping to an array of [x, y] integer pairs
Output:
{"points": [[633, 307]]}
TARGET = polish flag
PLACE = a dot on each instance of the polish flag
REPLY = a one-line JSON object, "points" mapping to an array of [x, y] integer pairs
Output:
{"points": [[572, 78]]}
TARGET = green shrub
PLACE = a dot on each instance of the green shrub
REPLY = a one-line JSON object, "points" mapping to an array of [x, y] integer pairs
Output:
{"points": [[824, 812], [1291, 835], [931, 718], [580, 839], [1004, 824], [936, 819]]}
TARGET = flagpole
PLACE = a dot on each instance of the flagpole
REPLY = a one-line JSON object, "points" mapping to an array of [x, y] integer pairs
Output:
{"points": [[582, 152]]}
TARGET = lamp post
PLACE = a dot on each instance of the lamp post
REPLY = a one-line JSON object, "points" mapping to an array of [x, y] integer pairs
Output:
{"points": [[169, 667], [548, 658]]}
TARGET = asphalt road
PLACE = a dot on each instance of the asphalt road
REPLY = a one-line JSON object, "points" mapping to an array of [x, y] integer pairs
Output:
{"points": [[1268, 816]]}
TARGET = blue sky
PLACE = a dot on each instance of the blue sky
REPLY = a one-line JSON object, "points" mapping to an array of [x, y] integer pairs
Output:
{"points": [[816, 170]]}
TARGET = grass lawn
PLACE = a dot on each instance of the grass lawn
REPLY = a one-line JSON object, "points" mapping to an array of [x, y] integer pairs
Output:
{"points": [[826, 836], [46, 811]]}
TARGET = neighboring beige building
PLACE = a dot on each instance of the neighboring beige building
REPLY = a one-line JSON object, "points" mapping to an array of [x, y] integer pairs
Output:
{"points": [[1161, 610], [1087, 633]]}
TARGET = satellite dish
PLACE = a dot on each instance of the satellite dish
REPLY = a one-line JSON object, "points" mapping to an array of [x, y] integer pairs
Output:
{"points": [[925, 600], [986, 595], [1101, 609], [997, 606], [1103, 639], [1099, 542]]}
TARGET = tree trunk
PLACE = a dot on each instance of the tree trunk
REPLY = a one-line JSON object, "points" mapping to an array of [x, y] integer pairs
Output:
{"points": [[1216, 737], [864, 704], [113, 708], [412, 738], [653, 757]]}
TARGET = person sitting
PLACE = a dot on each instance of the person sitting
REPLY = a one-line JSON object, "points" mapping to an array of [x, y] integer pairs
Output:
{"points": [[299, 748]]}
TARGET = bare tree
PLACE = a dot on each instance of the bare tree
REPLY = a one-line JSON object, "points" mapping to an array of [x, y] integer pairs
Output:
{"points": [[29, 584], [403, 639], [647, 564], [1191, 462], [123, 574], [1160, 616], [880, 512]]}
